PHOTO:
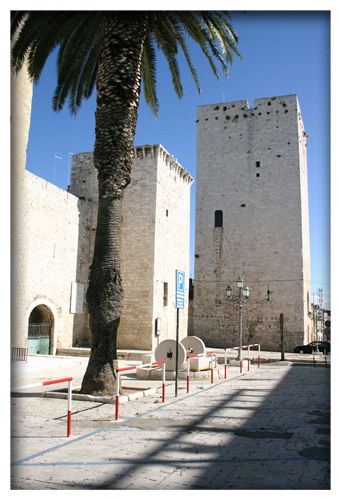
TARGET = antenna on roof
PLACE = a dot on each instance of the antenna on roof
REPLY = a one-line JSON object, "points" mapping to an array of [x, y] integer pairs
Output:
{"points": [[68, 169], [54, 167]]}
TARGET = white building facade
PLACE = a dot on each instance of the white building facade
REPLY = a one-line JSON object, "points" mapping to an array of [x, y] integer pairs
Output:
{"points": [[252, 221]]}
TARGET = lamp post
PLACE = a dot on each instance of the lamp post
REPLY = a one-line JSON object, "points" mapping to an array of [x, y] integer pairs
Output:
{"points": [[242, 296]]}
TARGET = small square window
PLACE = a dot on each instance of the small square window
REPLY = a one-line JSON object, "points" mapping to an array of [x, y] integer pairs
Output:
{"points": [[257, 175], [165, 294], [258, 164], [218, 218]]}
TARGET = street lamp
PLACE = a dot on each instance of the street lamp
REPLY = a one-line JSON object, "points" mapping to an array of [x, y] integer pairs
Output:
{"points": [[242, 296]]}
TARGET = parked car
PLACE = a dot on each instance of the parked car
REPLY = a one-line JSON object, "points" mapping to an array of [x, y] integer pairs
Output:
{"points": [[311, 347]]}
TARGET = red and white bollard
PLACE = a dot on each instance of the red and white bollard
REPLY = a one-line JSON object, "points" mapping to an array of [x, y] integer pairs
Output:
{"points": [[134, 368], [69, 397], [117, 396], [163, 383], [188, 373], [50, 382], [212, 368]]}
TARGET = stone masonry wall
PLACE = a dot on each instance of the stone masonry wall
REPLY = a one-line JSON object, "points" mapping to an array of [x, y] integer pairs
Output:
{"points": [[251, 165], [154, 243], [171, 244], [54, 235], [138, 252]]}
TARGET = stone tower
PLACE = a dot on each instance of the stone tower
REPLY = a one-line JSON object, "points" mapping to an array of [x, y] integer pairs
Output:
{"points": [[154, 242], [252, 221]]}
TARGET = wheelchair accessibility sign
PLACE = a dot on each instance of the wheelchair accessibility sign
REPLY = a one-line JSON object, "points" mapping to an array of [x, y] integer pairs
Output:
{"points": [[180, 282]]}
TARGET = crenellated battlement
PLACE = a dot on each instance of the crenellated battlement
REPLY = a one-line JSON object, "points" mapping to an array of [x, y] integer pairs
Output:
{"points": [[157, 150], [235, 111]]}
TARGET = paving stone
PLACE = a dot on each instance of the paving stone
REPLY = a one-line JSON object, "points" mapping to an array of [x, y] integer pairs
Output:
{"points": [[250, 432]]}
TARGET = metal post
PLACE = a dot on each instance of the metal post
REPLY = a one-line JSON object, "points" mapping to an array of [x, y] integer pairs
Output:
{"points": [[212, 367], [54, 168], [177, 337], [314, 322], [188, 372], [258, 357], [248, 357], [68, 168], [240, 332], [163, 387], [69, 408], [282, 339], [225, 363], [117, 395]]}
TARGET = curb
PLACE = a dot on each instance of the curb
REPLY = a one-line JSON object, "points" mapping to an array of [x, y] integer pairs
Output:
{"points": [[100, 399]]}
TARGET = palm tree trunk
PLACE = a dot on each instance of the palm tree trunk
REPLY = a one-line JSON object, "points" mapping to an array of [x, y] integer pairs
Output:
{"points": [[118, 91]]}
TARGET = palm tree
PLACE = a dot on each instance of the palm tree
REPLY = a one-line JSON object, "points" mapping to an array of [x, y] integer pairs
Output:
{"points": [[114, 51]]}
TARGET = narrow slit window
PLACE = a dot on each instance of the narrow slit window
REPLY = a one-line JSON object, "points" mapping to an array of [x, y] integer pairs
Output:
{"points": [[165, 294], [258, 164], [218, 218]]}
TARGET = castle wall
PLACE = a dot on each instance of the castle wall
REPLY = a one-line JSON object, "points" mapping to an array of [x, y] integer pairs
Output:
{"points": [[172, 233], [138, 252], [154, 241], [54, 236], [251, 165]]}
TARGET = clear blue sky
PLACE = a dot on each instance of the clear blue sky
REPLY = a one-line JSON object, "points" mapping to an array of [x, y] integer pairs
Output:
{"points": [[283, 53]]}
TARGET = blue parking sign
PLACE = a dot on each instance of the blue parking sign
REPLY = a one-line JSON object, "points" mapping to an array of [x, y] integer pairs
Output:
{"points": [[180, 283]]}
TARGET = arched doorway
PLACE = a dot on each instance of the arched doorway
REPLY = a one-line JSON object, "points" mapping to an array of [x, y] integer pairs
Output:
{"points": [[40, 325]]}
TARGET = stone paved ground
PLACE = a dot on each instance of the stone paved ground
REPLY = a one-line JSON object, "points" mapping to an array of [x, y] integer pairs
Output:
{"points": [[267, 429]]}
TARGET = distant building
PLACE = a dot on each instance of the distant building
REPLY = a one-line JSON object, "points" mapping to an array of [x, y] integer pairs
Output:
{"points": [[252, 221], [321, 322]]}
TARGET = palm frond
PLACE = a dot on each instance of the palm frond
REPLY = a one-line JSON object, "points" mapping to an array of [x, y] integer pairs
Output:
{"points": [[166, 37], [77, 64], [78, 35], [149, 75]]}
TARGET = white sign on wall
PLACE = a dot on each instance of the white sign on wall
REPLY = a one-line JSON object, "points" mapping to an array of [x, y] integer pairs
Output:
{"points": [[77, 297]]}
